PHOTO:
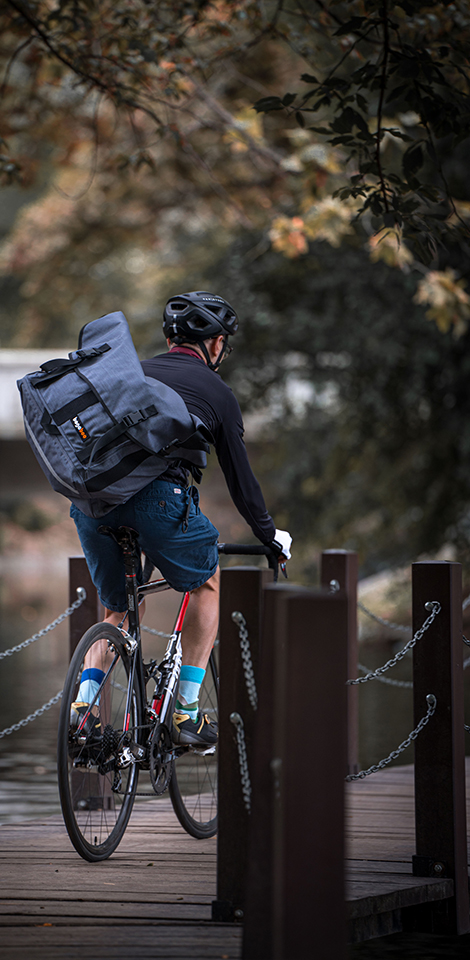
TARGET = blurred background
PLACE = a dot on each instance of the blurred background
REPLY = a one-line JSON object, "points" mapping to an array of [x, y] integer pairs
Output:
{"points": [[134, 166]]}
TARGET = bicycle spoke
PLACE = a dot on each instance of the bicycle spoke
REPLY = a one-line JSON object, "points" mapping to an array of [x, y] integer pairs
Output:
{"points": [[90, 753], [193, 787]]}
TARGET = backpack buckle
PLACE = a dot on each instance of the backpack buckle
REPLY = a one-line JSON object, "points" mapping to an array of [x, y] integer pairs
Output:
{"points": [[131, 419]]}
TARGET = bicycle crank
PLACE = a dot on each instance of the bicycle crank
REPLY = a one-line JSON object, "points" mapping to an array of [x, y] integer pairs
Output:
{"points": [[161, 758]]}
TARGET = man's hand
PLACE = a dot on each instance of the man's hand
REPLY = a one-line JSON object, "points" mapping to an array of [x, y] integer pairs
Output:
{"points": [[282, 542]]}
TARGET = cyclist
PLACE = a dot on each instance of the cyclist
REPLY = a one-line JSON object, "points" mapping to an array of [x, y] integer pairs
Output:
{"points": [[175, 536]]}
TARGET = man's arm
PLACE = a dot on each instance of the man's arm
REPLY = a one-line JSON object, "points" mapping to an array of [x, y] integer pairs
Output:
{"points": [[243, 486]]}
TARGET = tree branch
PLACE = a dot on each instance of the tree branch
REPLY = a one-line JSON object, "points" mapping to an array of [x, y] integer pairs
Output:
{"points": [[383, 85]]}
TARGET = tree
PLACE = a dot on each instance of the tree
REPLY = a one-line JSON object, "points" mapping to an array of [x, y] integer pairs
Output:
{"points": [[165, 91], [367, 439], [166, 152]]}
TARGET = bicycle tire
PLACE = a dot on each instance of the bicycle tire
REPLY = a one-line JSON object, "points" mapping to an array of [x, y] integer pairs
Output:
{"points": [[95, 815], [193, 786]]}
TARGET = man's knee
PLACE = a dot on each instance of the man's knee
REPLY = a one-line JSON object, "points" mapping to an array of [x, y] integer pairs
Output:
{"points": [[210, 586]]}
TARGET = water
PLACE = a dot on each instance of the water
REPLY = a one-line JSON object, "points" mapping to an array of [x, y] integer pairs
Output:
{"points": [[33, 595], [35, 591]]}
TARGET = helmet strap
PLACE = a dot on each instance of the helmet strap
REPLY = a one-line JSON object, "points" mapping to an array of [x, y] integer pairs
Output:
{"points": [[213, 365]]}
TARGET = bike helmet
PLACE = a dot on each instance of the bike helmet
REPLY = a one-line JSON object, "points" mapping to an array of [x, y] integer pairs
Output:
{"points": [[197, 316]]}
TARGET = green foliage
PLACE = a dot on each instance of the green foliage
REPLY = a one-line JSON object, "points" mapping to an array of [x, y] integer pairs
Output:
{"points": [[404, 58]]}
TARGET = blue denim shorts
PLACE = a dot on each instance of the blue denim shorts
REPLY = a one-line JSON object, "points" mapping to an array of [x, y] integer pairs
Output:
{"points": [[185, 559]]}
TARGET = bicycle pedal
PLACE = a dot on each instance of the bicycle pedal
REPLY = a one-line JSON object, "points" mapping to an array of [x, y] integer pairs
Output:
{"points": [[203, 751]]}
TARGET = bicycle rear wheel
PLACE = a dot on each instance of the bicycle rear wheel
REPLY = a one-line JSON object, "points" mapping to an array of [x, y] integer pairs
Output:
{"points": [[193, 786], [96, 791]]}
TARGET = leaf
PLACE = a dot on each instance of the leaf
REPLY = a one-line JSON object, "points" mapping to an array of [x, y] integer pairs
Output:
{"points": [[348, 119], [351, 26], [288, 98], [397, 133], [408, 68], [398, 93], [362, 103], [347, 138], [268, 103], [309, 78], [412, 160], [300, 119], [336, 83]]}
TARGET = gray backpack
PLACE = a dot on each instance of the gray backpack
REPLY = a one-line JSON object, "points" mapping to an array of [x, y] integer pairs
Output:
{"points": [[101, 430]]}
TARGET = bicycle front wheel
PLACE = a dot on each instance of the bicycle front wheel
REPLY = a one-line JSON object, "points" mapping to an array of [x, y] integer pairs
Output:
{"points": [[96, 773], [193, 786]]}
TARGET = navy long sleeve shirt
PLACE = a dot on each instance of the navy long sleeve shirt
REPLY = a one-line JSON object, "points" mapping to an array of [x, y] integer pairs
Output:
{"points": [[209, 398]]}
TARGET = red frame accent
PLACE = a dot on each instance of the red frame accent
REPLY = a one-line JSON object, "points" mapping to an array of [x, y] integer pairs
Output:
{"points": [[157, 704], [182, 613]]}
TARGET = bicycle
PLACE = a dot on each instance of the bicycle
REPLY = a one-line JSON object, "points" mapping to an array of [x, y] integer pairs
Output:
{"points": [[124, 731]]}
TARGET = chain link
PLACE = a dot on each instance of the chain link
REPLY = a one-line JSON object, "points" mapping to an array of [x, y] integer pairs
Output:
{"points": [[432, 704], [237, 721], [238, 617], [392, 683], [32, 716], [384, 623], [81, 594], [432, 605]]}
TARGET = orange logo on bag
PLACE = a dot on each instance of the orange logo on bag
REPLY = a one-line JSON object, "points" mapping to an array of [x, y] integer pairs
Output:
{"points": [[80, 428]]}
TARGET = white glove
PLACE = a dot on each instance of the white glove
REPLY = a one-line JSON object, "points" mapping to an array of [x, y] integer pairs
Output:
{"points": [[283, 539]]}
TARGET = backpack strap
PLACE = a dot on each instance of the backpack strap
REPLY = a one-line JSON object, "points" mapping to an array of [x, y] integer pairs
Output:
{"points": [[55, 368], [114, 433]]}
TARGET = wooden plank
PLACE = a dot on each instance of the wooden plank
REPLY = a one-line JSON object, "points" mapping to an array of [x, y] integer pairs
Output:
{"points": [[164, 911]]}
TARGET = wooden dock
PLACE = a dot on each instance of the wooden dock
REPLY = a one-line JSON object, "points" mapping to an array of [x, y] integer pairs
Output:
{"points": [[153, 898]]}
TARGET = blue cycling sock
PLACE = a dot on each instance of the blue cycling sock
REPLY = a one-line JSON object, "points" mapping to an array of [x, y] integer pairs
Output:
{"points": [[188, 693], [89, 684]]}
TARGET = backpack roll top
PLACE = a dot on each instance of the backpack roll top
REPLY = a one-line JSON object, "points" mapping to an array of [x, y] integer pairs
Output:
{"points": [[101, 429]]}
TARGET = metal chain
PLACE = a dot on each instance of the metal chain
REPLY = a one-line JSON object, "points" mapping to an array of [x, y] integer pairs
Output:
{"points": [[156, 633], [33, 716], [238, 617], [81, 594], [384, 623], [466, 603], [466, 728], [432, 704], [432, 605], [237, 721], [465, 640], [392, 683]]}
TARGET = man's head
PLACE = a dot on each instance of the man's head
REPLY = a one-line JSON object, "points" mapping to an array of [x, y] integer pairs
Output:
{"points": [[202, 319]]}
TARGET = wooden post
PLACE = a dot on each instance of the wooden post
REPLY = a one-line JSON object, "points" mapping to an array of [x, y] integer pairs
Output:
{"points": [[441, 836], [241, 590], [342, 566], [90, 610], [295, 903]]}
